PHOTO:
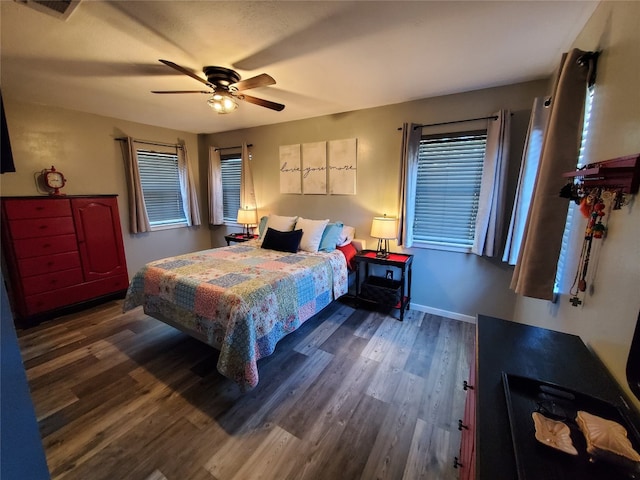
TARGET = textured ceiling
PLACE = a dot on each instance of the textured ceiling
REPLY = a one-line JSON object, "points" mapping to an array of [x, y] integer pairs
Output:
{"points": [[326, 57]]}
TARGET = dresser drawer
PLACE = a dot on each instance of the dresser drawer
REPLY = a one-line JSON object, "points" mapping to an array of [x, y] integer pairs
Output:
{"points": [[51, 281], [41, 227], [17, 209], [48, 263], [35, 247], [74, 294]]}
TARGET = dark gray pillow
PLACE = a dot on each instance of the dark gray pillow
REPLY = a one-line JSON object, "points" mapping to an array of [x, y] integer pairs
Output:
{"points": [[282, 241]]}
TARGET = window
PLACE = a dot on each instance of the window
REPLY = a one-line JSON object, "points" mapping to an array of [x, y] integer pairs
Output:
{"points": [[561, 274], [448, 188], [160, 181], [231, 167]]}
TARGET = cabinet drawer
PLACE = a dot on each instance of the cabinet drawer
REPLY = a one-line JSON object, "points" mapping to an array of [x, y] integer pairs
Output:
{"points": [[106, 286], [48, 263], [17, 209], [41, 227], [51, 281], [74, 294], [35, 247]]}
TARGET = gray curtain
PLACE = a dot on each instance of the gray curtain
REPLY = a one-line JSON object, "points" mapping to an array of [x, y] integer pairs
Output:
{"points": [[138, 218], [188, 188], [247, 193], [491, 203], [411, 134], [214, 181], [536, 267]]}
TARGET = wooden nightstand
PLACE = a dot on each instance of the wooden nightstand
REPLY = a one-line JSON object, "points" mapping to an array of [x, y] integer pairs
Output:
{"points": [[238, 238], [381, 290]]}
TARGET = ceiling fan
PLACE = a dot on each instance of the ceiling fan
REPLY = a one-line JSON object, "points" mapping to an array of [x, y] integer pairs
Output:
{"points": [[226, 87]]}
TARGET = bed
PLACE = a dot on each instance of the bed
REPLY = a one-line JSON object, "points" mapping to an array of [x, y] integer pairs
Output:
{"points": [[241, 299]]}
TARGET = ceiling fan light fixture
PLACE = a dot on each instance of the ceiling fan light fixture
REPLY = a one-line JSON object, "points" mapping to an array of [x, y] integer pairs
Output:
{"points": [[222, 103]]}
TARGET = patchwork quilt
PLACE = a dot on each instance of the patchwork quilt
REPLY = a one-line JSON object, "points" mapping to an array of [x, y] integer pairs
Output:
{"points": [[243, 299]]}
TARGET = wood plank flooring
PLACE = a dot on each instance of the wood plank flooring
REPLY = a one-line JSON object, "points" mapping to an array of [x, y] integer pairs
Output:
{"points": [[353, 394]]}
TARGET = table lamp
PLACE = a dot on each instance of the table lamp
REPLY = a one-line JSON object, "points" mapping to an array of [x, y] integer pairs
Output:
{"points": [[246, 217], [384, 228]]}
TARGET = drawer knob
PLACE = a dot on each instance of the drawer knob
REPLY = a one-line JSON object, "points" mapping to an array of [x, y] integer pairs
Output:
{"points": [[462, 426], [466, 386], [456, 463]]}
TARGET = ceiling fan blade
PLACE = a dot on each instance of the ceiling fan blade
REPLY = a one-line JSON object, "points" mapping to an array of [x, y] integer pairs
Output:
{"points": [[182, 91], [261, 80], [263, 103], [185, 71]]}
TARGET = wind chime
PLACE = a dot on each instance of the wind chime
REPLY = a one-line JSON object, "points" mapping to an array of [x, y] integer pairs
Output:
{"points": [[595, 206]]}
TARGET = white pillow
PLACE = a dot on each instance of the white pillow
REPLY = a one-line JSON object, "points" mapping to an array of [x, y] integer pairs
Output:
{"points": [[282, 224], [312, 231], [346, 236]]}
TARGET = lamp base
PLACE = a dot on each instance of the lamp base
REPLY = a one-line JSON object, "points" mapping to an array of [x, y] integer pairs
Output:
{"points": [[383, 248]]}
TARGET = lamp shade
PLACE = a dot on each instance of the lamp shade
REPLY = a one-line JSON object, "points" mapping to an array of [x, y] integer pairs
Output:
{"points": [[384, 227], [247, 216]]}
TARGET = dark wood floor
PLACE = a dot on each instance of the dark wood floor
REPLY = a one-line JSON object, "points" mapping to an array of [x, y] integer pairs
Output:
{"points": [[353, 394]]}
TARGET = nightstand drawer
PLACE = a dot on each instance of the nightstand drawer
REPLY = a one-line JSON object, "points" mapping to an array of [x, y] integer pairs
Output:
{"points": [[35, 247], [41, 227], [36, 208]]}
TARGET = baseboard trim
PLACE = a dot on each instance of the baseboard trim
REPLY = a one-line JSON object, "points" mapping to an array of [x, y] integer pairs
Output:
{"points": [[443, 313]]}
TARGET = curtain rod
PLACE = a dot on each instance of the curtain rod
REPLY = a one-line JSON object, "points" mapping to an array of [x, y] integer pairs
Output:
{"points": [[229, 148], [491, 117], [175, 145]]}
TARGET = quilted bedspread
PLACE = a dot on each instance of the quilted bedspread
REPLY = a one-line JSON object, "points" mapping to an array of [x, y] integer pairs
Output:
{"points": [[243, 299]]}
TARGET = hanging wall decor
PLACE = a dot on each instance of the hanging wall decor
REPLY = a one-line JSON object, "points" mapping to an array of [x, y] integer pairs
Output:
{"points": [[290, 169], [596, 208], [314, 168], [342, 167]]}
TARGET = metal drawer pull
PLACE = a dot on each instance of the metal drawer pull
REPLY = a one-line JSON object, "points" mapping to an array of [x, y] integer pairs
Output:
{"points": [[462, 425], [466, 386], [456, 463]]}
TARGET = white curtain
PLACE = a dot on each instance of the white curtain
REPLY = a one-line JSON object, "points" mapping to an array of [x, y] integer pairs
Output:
{"points": [[247, 193], [491, 204], [138, 218], [411, 134], [526, 178], [214, 181], [188, 188]]}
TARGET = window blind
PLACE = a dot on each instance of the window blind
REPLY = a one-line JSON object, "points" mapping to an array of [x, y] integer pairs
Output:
{"points": [[231, 173], [448, 187], [160, 181], [561, 274]]}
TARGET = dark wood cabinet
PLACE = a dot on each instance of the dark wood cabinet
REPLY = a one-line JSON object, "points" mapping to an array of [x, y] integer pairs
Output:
{"points": [[506, 349], [61, 251]]}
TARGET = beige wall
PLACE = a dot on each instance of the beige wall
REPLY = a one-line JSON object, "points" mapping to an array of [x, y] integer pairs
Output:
{"points": [[608, 316], [82, 146], [456, 284]]}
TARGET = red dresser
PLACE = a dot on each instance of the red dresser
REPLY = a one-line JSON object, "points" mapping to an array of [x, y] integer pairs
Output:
{"points": [[61, 251]]}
